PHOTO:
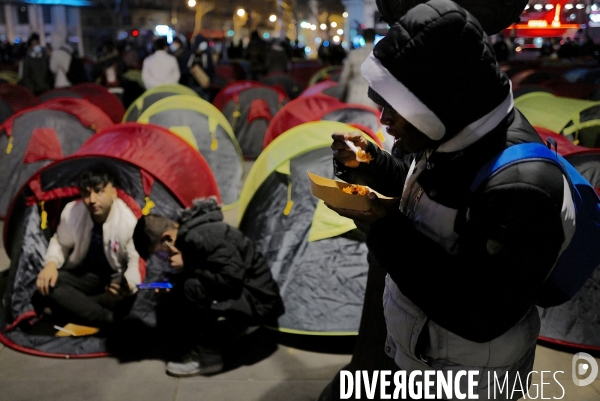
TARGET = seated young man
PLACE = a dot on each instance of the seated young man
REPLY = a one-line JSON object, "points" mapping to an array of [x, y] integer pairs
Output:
{"points": [[221, 287], [91, 264]]}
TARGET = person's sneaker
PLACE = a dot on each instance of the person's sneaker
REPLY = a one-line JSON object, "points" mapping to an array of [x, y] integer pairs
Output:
{"points": [[200, 364]]}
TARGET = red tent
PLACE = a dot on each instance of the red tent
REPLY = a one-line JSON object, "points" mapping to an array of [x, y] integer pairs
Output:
{"points": [[96, 94], [565, 147], [89, 115], [159, 152], [324, 87], [14, 98], [322, 107], [155, 172], [228, 92]]}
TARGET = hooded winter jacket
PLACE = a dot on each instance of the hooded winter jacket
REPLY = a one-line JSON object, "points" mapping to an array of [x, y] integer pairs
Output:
{"points": [[226, 271], [464, 269]]}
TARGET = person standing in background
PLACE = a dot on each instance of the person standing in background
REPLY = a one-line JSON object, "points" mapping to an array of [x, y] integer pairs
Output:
{"points": [[160, 68], [60, 60], [35, 67], [353, 85]]}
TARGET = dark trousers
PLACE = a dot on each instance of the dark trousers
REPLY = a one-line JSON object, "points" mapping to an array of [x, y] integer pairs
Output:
{"points": [[186, 314], [82, 295], [369, 352]]}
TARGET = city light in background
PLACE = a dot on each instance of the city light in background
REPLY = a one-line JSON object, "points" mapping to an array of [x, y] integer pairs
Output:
{"points": [[241, 12]]}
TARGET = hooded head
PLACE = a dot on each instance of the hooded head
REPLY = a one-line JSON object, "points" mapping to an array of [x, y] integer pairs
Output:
{"points": [[200, 44], [437, 70], [494, 15]]}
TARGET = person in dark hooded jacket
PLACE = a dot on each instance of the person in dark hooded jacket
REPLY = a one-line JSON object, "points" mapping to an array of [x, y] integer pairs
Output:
{"points": [[223, 285], [465, 268], [201, 56]]}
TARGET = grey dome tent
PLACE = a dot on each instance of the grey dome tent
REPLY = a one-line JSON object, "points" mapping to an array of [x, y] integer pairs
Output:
{"points": [[318, 258], [151, 96], [153, 168], [206, 130], [36, 136], [576, 323], [249, 108]]}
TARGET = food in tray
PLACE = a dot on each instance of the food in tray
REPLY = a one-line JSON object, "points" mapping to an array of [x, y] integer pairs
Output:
{"points": [[354, 189]]}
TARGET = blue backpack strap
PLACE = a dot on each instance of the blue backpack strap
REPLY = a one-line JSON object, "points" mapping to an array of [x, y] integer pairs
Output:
{"points": [[516, 154], [578, 261]]}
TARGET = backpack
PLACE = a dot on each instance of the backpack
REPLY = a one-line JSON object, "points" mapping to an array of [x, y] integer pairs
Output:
{"points": [[581, 257], [76, 73]]}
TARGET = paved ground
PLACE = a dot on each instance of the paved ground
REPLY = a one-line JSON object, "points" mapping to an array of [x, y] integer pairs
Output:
{"points": [[283, 373]]}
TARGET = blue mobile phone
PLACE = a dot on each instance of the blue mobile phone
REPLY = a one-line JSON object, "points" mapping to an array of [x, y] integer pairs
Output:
{"points": [[157, 285]]}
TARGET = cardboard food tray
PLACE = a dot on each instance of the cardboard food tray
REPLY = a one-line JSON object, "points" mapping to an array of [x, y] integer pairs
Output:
{"points": [[331, 192]]}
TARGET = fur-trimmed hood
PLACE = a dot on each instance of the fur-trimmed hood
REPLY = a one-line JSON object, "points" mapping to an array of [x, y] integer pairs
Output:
{"points": [[205, 210]]}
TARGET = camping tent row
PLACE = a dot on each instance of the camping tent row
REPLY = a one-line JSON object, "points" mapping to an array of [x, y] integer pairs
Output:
{"points": [[202, 126], [258, 114], [154, 169], [36, 136], [96, 94]]}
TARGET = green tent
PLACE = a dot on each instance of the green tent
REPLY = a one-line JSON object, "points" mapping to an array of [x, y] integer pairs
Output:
{"points": [[317, 257], [207, 130], [578, 120]]}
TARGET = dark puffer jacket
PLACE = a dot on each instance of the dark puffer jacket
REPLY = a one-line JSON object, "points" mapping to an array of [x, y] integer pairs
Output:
{"points": [[227, 272], [474, 263]]}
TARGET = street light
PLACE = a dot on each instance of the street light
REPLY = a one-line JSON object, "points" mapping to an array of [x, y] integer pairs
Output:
{"points": [[192, 3], [273, 18], [241, 12], [334, 24], [340, 31], [345, 15], [323, 26]]}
